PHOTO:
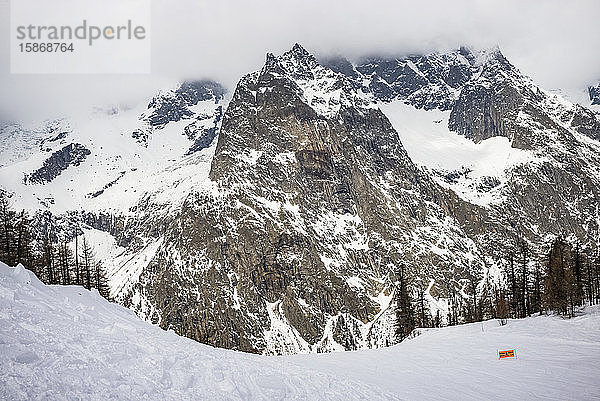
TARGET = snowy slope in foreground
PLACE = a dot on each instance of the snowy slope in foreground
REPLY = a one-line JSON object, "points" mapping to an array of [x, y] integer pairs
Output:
{"points": [[61, 342], [65, 343]]}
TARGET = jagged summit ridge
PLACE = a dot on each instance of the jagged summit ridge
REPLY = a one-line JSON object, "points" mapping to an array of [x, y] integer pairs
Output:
{"points": [[484, 92], [297, 62], [324, 90], [425, 81]]}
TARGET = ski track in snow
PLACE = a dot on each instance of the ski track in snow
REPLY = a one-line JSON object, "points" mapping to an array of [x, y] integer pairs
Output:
{"points": [[64, 342]]}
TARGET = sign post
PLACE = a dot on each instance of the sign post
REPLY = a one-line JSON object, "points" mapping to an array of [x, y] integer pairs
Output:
{"points": [[509, 353]]}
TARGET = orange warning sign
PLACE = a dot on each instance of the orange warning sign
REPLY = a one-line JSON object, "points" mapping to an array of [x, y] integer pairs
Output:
{"points": [[510, 353]]}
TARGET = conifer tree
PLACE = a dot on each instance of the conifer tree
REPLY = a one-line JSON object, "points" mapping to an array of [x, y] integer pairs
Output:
{"points": [[513, 287], [523, 293], [7, 217], [536, 299], [100, 280], [422, 312], [578, 273], [48, 261], [405, 322], [502, 307], [560, 285], [87, 256], [475, 313]]}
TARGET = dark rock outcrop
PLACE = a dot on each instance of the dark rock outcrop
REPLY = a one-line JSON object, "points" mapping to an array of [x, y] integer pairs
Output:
{"points": [[424, 81], [204, 132], [586, 122], [594, 93], [71, 155], [174, 106]]}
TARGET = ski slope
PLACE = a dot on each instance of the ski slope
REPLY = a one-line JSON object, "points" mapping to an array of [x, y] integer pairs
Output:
{"points": [[61, 342], [557, 359]]}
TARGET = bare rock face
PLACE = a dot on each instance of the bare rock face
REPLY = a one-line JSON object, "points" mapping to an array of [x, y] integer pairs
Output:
{"points": [[424, 81], [70, 155], [312, 205], [204, 130], [586, 122], [175, 106], [489, 104]]}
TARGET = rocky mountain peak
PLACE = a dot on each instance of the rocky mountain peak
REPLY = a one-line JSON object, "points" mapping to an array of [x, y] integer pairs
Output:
{"points": [[309, 183], [298, 57], [296, 62], [321, 88], [181, 103], [297, 52]]}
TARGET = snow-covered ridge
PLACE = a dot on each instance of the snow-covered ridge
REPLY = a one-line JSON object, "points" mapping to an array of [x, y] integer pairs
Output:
{"points": [[64, 342], [429, 81]]}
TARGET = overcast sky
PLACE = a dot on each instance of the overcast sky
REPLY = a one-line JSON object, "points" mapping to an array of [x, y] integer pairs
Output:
{"points": [[554, 41]]}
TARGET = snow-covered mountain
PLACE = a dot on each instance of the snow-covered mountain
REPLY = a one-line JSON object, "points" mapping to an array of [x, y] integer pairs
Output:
{"points": [[64, 342], [276, 219], [116, 158], [528, 156]]}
